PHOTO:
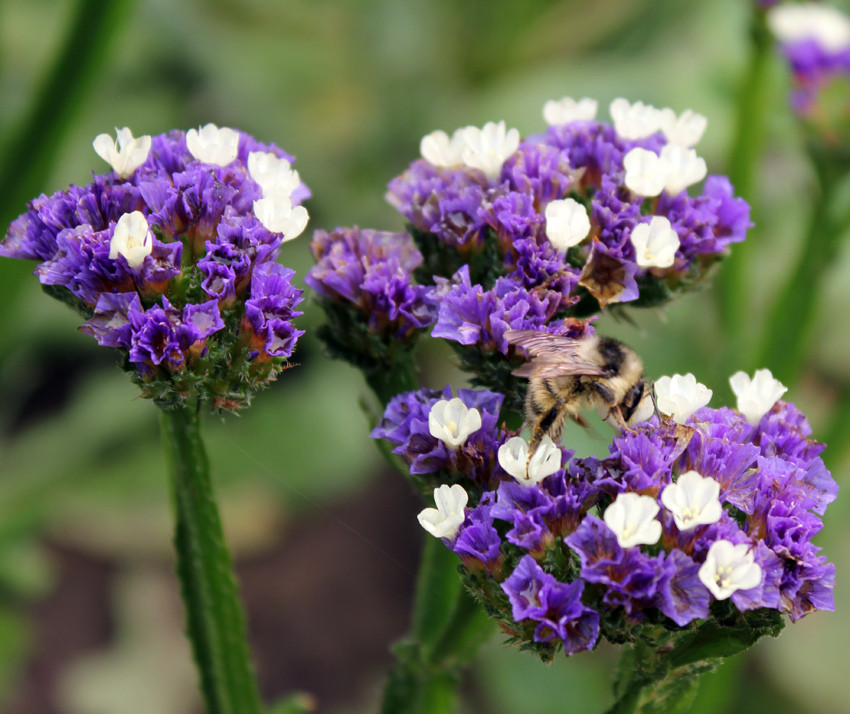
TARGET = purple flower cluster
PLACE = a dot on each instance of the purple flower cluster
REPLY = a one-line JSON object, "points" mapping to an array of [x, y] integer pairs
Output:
{"points": [[815, 40], [488, 256], [557, 574], [172, 264]]}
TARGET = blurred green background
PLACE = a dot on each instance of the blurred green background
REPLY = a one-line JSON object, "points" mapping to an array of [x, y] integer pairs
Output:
{"points": [[326, 539]]}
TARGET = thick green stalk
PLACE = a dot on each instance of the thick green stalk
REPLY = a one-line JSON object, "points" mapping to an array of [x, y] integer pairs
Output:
{"points": [[215, 621], [750, 119]]}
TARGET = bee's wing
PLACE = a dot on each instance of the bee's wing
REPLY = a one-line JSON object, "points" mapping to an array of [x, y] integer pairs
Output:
{"points": [[554, 355]]}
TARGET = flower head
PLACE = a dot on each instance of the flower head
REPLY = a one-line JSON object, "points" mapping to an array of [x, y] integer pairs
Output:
{"points": [[729, 567], [567, 223], [213, 145], [442, 151], [279, 215], [635, 121], [693, 500], [131, 239], [445, 520], [680, 396], [488, 147], [567, 109], [686, 129], [683, 168], [513, 458], [756, 395], [655, 243], [632, 519], [646, 172], [451, 421], [125, 154]]}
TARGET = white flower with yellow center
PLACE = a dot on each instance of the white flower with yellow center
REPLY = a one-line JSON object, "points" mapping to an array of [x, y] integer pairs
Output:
{"points": [[694, 500], [685, 130], [442, 151], [451, 421], [646, 173], [634, 121], [567, 109], [125, 154], [131, 238], [655, 243], [487, 148], [683, 168], [567, 223], [757, 395], [278, 215], [632, 519], [513, 458], [274, 175], [213, 145], [680, 396], [445, 520], [729, 567]]}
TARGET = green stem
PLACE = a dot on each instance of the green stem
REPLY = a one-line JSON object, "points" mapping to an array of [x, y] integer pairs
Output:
{"points": [[32, 146], [215, 621], [752, 109]]}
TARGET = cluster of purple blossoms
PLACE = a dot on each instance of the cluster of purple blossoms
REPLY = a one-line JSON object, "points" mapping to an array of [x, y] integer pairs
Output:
{"points": [[694, 515], [532, 234], [815, 40], [171, 256]]}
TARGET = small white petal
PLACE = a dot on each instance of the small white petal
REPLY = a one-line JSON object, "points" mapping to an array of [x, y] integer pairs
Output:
{"points": [[693, 500], [279, 216], [646, 173], [274, 175], [567, 223], [513, 458], [686, 129], [451, 421], [441, 151], [213, 145], [566, 110], [757, 395], [632, 519], [487, 148], [634, 121], [828, 26], [680, 396], [125, 154], [131, 238], [683, 168], [729, 567], [655, 243], [445, 520]]}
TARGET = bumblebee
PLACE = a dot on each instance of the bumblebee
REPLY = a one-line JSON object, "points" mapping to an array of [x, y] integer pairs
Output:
{"points": [[565, 374]]}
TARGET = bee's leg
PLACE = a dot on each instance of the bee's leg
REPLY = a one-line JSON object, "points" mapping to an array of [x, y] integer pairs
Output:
{"points": [[545, 420]]}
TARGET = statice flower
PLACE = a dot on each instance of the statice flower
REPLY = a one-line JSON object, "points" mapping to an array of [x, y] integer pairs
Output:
{"points": [[168, 261], [815, 39], [695, 517]]}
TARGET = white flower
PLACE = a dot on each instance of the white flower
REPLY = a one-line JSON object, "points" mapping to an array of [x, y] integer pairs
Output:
{"points": [[655, 243], [274, 175], [125, 154], [686, 129], [683, 168], [693, 500], [278, 215], [445, 520], [728, 568], [632, 518], [566, 110], [634, 121], [567, 223], [680, 396], [451, 421], [646, 173], [487, 148], [822, 23], [513, 458], [441, 151], [131, 238], [756, 396], [213, 145]]}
